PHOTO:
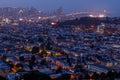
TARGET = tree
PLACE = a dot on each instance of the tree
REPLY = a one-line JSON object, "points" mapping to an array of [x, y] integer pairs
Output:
{"points": [[19, 67], [64, 77], [35, 49], [32, 62], [2, 78], [111, 74], [59, 70], [35, 75]]}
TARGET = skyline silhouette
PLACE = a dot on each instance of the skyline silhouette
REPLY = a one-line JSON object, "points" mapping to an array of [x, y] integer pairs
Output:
{"points": [[111, 6]]}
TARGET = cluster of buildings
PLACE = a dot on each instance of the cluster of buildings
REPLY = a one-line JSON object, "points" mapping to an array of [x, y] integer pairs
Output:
{"points": [[58, 50], [34, 42]]}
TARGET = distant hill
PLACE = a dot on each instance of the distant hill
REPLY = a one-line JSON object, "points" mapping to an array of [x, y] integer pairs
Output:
{"points": [[90, 21]]}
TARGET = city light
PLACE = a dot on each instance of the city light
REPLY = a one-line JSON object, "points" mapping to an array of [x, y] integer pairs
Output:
{"points": [[101, 16], [39, 17], [91, 15], [53, 23], [30, 20], [21, 19]]}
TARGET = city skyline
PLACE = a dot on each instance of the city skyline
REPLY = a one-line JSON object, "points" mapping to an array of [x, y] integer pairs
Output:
{"points": [[111, 6]]}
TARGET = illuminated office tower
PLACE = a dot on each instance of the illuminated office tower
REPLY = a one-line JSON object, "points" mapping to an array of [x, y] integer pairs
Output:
{"points": [[100, 28]]}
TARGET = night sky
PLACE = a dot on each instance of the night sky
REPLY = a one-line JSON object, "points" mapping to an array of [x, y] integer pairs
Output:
{"points": [[111, 6]]}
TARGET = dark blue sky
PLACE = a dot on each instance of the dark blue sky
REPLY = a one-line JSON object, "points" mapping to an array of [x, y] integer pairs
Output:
{"points": [[112, 6]]}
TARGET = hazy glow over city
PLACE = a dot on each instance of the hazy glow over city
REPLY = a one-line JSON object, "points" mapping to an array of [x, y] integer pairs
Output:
{"points": [[111, 6]]}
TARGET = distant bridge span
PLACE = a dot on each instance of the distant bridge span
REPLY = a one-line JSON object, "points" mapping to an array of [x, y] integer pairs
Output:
{"points": [[87, 13]]}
